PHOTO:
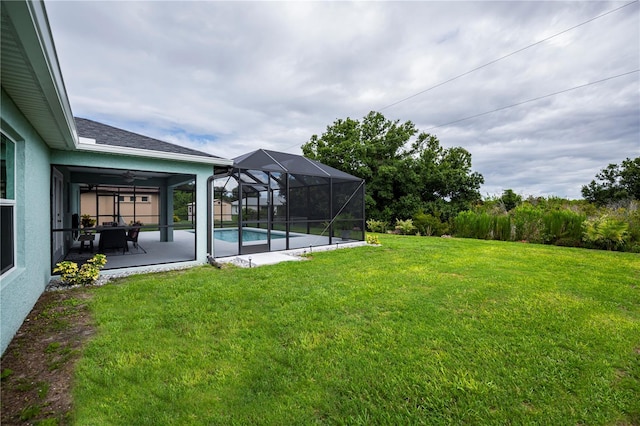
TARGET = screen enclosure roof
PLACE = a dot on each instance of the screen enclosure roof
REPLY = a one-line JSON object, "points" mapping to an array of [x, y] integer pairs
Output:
{"points": [[274, 161]]}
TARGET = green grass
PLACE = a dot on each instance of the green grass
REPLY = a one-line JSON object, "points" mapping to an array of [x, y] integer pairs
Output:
{"points": [[418, 331]]}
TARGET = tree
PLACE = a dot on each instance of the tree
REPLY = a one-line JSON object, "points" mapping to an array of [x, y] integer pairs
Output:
{"points": [[221, 193], [510, 199], [181, 200], [615, 183], [630, 177], [406, 172]]}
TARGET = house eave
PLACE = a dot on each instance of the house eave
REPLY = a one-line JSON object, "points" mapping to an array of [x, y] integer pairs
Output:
{"points": [[161, 155], [32, 76]]}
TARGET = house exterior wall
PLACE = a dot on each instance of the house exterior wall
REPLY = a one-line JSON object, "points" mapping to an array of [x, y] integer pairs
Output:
{"points": [[21, 287], [201, 171]]}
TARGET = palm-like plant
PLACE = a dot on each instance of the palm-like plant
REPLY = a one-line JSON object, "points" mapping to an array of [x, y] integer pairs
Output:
{"points": [[605, 232]]}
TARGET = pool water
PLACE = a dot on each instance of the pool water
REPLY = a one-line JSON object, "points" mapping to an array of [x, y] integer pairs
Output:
{"points": [[231, 235]]}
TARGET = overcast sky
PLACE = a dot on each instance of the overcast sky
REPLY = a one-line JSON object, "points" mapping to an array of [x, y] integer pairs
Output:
{"points": [[231, 77]]}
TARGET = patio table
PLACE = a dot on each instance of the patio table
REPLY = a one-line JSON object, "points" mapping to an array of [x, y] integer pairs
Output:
{"points": [[84, 238]]}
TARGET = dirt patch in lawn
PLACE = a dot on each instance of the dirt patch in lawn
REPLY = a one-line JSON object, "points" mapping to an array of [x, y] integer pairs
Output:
{"points": [[37, 367]]}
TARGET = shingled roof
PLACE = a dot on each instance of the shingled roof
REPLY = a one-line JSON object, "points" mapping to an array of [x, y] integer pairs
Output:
{"points": [[104, 134]]}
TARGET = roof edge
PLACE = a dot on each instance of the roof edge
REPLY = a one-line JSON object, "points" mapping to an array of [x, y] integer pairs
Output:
{"points": [[136, 152], [46, 66]]}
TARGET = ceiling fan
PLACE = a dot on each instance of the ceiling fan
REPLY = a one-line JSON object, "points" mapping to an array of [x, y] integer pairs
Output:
{"points": [[127, 176]]}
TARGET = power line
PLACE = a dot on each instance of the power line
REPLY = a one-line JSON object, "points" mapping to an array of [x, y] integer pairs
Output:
{"points": [[522, 102], [506, 56], [533, 99]]}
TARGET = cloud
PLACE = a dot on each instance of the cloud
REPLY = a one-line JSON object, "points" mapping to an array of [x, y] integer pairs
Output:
{"points": [[231, 77]]}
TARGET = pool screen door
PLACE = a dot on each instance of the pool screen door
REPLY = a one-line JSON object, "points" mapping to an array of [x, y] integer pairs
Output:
{"points": [[254, 234]]}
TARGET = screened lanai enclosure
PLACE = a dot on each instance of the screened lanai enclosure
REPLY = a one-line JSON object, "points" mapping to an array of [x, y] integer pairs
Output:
{"points": [[272, 201], [136, 218]]}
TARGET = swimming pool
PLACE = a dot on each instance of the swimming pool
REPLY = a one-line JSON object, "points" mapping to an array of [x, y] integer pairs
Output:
{"points": [[230, 235]]}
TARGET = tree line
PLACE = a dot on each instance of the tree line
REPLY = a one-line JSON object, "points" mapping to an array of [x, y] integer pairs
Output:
{"points": [[414, 185]]}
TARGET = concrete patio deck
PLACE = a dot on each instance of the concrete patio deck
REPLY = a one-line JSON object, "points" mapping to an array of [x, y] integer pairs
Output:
{"points": [[271, 258]]}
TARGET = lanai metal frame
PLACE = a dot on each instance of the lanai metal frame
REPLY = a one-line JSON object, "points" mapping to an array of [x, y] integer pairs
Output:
{"points": [[291, 200]]}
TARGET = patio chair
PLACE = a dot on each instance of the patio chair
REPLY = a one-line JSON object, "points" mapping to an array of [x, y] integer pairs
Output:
{"points": [[132, 235], [113, 239]]}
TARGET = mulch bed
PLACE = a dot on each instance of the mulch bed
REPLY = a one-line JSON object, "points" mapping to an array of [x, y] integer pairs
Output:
{"points": [[37, 367]]}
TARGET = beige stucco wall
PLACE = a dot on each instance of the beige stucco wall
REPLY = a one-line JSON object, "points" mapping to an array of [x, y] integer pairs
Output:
{"points": [[221, 210], [147, 212]]}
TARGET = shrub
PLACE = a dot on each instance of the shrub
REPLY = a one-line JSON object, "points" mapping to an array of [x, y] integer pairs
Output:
{"points": [[405, 227], [377, 226], [474, 225], [373, 239], [85, 275], [563, 225], [528, 223], [501, 228], [629, 214], [552, 221], [428, 224], [605, 232], [463, 224]]}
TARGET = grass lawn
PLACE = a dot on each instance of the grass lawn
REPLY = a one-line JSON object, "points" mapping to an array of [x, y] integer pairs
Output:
{"points": [[417, 331]]}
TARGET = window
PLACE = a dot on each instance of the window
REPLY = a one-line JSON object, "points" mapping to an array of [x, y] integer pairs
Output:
{"points": [[144, 199], [7, 205], [133, 199], [120, 198]]}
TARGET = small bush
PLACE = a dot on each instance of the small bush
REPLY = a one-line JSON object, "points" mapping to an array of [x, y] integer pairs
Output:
{"points": [[377, 226], [469, 224], [502, 229], [629, 214], [605, 232], [429, 225], [528, 223], [373, 239], [87, 274], [563, 225], [405, 227], [463, 224]]}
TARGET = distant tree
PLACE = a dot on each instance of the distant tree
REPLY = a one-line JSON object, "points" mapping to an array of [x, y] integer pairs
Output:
{"points": [[181, 200], [630, 177], [221, 193], [615, 183], [510, 199], [403, 176]]}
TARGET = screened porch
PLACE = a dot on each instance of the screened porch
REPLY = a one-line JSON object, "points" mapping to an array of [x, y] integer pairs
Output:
{"points": [[273, 201]]}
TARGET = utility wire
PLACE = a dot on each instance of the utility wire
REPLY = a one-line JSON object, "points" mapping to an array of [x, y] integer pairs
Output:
{"points": [[523, 102], [380, 143], [533, 99], [506, 56]]}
